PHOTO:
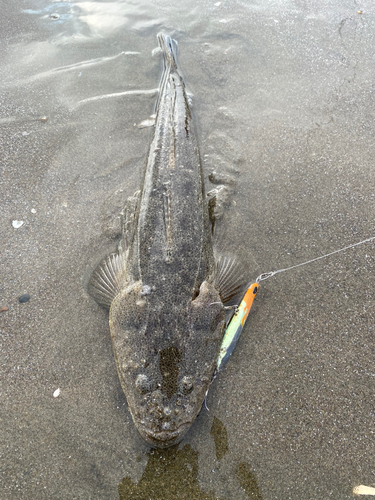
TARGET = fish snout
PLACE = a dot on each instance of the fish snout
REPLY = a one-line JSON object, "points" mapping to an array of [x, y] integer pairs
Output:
{"points": [[164, 438], [163, 422]]}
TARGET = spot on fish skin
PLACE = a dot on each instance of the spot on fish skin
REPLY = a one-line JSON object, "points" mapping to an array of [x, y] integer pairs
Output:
{"points": [[146, 290], [131, 364], [142, 384], [169, 359], [168, 228], [140, 304], [186, 385]]}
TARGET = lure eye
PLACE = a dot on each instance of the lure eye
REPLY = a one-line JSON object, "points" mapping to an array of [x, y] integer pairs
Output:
{"points": [[186, 385], [142, 384], [255, 290]]}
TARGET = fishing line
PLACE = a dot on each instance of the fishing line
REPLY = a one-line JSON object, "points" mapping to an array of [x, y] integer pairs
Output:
{"points": [[237, 322], [265, 276]]}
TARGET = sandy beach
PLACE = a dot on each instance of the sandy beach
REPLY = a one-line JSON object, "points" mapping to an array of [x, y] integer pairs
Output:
{"points": [[283, 100]]}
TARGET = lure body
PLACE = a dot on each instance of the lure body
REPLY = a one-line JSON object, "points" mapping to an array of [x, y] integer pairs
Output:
{"points": [[234, 329]]}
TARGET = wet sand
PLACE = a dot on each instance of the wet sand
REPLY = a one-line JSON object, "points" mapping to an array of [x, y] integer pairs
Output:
{"points": [[284, 105]]}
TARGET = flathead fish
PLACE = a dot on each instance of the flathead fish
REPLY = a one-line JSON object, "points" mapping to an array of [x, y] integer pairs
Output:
{"points": [[163, 288]]}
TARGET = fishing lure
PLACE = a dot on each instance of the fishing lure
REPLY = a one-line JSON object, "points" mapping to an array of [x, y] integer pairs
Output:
{"points": [[234, 329]]}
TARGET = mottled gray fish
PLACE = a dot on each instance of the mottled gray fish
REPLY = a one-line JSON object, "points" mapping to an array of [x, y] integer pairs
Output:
{"points": [[163, 288]]}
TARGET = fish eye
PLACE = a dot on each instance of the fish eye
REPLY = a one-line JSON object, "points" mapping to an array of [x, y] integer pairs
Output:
{"points": [[186, 385], [142, 383]]}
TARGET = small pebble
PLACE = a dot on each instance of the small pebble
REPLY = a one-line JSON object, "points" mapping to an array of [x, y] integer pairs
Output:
{"points": [[17, 223], [364, 490], [3, 309], [56, 393], [55, 16], [43, 119], [147, 123], [156, 51], [33, 211], [24, 298]]}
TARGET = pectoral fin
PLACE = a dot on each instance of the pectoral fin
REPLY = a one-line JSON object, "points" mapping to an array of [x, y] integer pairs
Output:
{"points": [[105, 280], [229, 278]]}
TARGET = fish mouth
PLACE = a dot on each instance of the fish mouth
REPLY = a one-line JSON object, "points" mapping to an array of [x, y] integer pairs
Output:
{"points": [[164, 439]]}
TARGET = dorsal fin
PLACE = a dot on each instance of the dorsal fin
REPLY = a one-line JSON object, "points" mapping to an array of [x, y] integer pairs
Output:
{"points": [[229, 278], [105, 280]]}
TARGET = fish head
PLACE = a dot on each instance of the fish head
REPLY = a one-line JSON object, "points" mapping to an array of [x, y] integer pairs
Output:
{"points": [[166, 356]]}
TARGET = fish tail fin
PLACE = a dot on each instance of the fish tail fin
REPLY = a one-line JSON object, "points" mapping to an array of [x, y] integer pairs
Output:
{"points": [[170, 49]]}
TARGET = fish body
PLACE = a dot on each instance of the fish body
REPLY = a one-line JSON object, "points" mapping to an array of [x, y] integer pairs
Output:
{"points": [[166, 314]]}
